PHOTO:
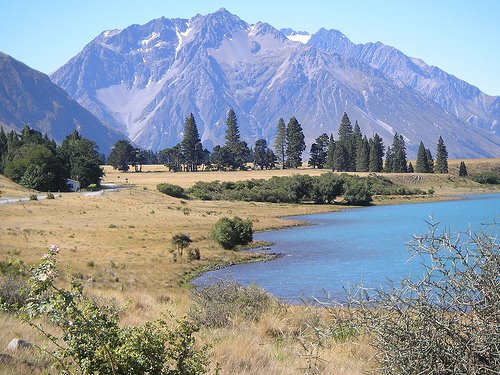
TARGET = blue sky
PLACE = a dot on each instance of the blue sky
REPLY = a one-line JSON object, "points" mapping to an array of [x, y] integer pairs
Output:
{"points": [[460, 36]]}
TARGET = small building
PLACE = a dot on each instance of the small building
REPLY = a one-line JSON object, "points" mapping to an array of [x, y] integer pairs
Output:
{"points": [[73, 185]]}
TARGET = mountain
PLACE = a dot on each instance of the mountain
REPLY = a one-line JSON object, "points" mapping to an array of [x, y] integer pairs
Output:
{"points": [[29, 97], [455, 96], [145, 80]]}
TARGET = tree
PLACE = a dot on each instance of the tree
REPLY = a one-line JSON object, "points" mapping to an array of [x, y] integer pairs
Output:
{"points": [[319, 151], [3, 145], [422, 164], [410, 168], [82, 159], [172, 158], [295, 143], [191, 146], [389, 160], [237, 149], [462, 172], [263, 156], [326, 188], [376, 154], [280, 145], [430, 160], [181, 241], [345, 156], [363, 155], [122, 155], [232, 232], [330, 154], [399, 150], [441, 165]]}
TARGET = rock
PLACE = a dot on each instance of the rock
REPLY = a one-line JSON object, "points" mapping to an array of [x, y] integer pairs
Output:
{"points": [[5, 358], [17, 344]]}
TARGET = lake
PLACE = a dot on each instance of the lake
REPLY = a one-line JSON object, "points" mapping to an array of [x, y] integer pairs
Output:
{"points": [[342, 249]]}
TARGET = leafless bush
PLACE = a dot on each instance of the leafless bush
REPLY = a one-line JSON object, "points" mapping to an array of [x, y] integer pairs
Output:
{"points": [[446, 322], [217, 304]]}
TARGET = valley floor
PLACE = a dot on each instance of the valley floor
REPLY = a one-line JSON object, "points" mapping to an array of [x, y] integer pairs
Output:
{"points": [[118, 242]]}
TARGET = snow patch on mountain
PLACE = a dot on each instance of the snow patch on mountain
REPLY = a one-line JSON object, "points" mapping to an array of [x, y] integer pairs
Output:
{"points": [[299, 38]]}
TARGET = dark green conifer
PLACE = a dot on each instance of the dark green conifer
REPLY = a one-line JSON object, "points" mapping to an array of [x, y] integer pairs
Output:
{"points": [[376, 154], [295, 143], [430, 161], [330, 153], [191, 146], [441, 165], [280, 143], [363, 155], [422, 164], [462, 172]]}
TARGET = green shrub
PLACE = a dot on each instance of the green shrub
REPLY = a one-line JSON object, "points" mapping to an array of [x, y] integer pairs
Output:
{"points": [[217, 304], [91, 340], [92, 187], [13, 291], [33, 197], [172, 190], [232, 232], [492, 178]]}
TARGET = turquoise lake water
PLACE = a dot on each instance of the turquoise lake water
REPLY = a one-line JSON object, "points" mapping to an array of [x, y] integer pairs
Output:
{"points": [[343, 249]]}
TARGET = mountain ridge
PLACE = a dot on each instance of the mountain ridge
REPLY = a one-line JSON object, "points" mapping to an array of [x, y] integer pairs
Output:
{"points": [[145, 79], [28, 96]]}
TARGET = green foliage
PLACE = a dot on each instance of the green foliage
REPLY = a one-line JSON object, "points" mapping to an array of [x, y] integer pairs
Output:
{"points": [[492, 178], [236, 151], [422, 165], [280, 144], [230, 233], [356, 191], [263, 156], [462, 171], [441, 165], [319, 151], [326, 188], [218, 304], [175, 191], [33, 197], [82, 159], [191, 146], [91, 340], [376, 154], [122, 155], [295, 143], [345, 149], [50, 195]]}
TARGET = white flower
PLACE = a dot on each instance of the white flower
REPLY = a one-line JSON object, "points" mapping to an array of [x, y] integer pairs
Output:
{"points": [[43, 277], [46, 256], [50, 274], [54, 249]]}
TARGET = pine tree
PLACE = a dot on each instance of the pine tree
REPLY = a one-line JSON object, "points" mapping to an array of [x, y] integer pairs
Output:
{"points": [[410, 168], [191, 144], [389, 160], [280, 143], [430, 161], [399, 149], [462, 172], [376, 154], [238, 150], [346, 146], [3, 147], [330, 153], [295, 143], [363, 155], [260, 153], [441, 165], [319, 151], [422, 164], [357, 136], [232, 131]]}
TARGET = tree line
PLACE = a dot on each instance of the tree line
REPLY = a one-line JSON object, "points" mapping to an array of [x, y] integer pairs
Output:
{"points": [[37, 162], [350, 152]]}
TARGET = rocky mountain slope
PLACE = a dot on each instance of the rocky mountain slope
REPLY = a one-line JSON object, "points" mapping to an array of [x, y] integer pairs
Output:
{"points": [[144, 80], [29, 97]]}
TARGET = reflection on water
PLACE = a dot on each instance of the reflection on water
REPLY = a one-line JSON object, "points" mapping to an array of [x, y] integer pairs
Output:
{"points": [[344, 248]]}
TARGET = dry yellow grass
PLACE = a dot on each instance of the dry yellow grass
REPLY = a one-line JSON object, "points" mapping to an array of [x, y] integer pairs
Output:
{"points": [[119, 245]]}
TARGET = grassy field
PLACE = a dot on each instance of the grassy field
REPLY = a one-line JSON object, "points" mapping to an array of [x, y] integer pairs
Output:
{"points": [[118, 244]]}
